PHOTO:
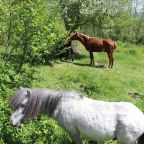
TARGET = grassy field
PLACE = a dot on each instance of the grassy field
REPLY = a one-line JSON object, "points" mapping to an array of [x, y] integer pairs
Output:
{"points": [[125, 82]]}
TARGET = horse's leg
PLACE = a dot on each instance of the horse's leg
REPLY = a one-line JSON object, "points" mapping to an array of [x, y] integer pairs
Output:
{"points": [[112, 59], [72, 53], [109, 56], [91, 58], [72, 58], [67, 54]]}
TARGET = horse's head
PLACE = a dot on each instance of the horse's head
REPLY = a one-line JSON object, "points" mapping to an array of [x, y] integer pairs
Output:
{"points": [[19, 102], [69, 42], [75, 36]]}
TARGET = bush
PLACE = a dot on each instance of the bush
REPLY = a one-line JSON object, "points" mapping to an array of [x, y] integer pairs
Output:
{"points": [[10, 81], [32, 32]]}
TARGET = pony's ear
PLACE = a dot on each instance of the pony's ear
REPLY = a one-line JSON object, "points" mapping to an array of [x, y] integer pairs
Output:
{"points": [[26, 90], [21, 88], [28, 94]]}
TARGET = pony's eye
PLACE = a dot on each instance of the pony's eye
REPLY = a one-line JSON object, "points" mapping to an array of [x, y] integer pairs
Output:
{"points": [[22, 106]]}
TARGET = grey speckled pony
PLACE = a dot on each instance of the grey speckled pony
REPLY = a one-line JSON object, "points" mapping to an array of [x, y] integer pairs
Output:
{"points": [[78, 114]]}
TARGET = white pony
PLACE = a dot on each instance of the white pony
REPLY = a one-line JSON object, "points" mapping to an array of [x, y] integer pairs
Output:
{"points": [[78, 114]]}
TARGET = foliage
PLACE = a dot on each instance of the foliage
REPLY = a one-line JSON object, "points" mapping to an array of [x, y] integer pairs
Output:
{"points": [[31, 31], [121, 20], [34, 32], [11, 80], [39, 132], [78, 13]]}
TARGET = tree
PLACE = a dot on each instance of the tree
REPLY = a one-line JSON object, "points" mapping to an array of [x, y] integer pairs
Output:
{"points": [[122, 19], [33, 31]]}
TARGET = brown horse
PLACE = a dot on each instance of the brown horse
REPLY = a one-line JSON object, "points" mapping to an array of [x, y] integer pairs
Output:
{"points": [[96, 45]]}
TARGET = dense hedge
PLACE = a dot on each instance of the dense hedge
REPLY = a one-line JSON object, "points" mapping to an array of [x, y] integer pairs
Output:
{"points": [[31, 32]]}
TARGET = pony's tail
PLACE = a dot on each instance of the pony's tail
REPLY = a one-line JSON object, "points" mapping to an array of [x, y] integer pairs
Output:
{"points": [[141, 139]]}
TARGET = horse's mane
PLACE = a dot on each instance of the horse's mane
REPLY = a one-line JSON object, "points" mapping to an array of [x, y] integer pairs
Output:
{"points": [[87, 37], [41, 100]]}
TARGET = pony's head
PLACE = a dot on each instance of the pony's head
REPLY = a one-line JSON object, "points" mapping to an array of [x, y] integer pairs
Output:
{"points": [[75, 36], [28, 103], [19, 102]]}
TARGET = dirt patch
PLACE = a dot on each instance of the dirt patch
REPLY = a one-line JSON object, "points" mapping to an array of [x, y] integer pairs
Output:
{"points": [[135, 95]]}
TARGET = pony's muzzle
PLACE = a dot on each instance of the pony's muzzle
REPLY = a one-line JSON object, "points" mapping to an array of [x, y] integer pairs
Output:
{"points": [[14, 125]]}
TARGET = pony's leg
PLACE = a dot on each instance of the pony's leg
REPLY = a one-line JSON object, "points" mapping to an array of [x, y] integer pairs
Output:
{"points": [[92, 142], [74, 134], [76, 138], [141, 139], [123, 135], [127, 142]]}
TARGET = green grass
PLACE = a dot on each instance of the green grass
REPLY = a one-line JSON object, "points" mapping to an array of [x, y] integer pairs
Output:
{"points": [[127, 75]]}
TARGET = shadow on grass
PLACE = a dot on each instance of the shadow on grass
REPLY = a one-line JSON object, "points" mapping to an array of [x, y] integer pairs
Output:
{"points": [[99, 66], [88, 65], [78, 56]]}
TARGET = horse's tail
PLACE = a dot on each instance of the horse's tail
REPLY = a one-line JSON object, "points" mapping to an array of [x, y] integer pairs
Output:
{"points": [[115, 45], [141, 139]]}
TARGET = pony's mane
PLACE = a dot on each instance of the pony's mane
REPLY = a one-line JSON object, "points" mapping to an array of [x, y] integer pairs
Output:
{"points": [[41, 100], [16, 99]]}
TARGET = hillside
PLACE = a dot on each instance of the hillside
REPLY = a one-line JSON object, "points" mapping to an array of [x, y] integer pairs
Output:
{"points": [[99, 82]]}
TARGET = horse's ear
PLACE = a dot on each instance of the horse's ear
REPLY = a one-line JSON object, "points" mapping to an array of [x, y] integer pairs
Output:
{"points": [[77, 34], [68, 37]]}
